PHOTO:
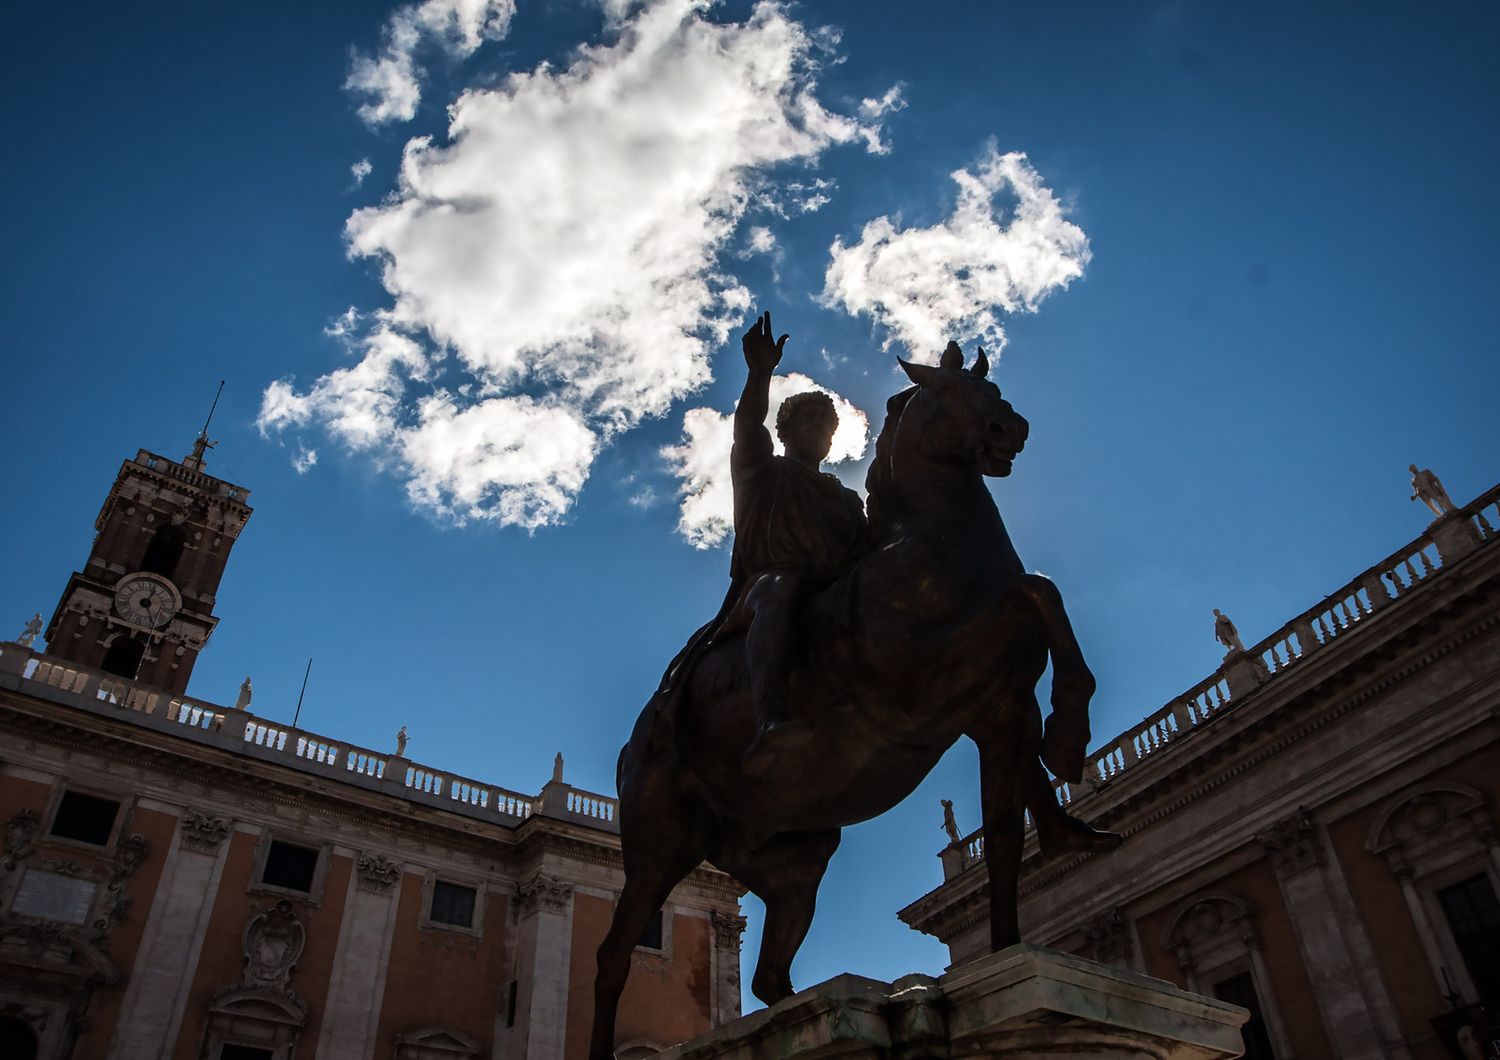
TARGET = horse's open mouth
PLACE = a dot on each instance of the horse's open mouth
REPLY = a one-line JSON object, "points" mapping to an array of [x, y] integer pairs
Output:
{"points": [[997, 460]]}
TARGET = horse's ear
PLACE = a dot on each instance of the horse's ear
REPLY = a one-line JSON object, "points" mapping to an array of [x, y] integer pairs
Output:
{"points": [[921, 374], [981, 365]]}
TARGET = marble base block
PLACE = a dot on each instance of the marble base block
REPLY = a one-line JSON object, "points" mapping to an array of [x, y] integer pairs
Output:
{"points": [[1022, 1002]]}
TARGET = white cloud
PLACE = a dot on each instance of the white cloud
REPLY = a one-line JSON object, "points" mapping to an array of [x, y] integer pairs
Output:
{"points": [[563, 247], [513, 459], [760, 241], [360, 170], [392, 80], [954, 279], [701, 460], [305, 459]]}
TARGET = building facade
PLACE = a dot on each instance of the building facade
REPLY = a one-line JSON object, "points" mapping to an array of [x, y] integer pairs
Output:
{"points": [[1311, 831], [187, 880]]}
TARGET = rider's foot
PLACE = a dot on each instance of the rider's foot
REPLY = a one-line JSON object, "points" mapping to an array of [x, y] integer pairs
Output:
{"points": [[775, 740], [1066, 834]]}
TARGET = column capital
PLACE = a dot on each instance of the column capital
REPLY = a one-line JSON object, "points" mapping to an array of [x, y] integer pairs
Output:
{"points": [[1293, 843]]}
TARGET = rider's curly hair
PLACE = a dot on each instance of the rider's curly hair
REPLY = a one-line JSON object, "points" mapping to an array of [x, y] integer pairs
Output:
{"points": [[797, 404]]}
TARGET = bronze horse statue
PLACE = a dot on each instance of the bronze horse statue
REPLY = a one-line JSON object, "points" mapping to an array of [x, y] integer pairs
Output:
{"points": [[938, 632]]}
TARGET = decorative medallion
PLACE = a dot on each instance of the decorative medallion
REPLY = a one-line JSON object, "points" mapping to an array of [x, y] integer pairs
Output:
{"points": [[273, 944]]}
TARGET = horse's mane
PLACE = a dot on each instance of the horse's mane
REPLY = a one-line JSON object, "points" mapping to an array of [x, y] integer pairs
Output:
{"points": [[880, 479]]}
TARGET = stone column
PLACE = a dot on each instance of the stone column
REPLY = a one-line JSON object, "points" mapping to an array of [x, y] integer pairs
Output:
{"points": [[356, 984], [727, 929], [545, 912], [157, 992], [1297, 853]]}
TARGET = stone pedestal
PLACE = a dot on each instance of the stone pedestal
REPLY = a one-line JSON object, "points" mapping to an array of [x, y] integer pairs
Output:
{"points": [[1021, 1003]]}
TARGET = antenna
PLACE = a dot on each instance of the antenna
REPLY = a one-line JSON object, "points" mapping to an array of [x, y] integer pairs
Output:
{"points": [[204, 432], [201, 445], [305, 674]]}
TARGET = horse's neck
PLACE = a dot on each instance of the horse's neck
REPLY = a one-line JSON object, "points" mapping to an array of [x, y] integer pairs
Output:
{"points": [[948, 510]]}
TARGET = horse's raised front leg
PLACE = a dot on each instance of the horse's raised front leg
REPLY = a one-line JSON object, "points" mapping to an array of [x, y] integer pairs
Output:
{"points": [[1006, 768], [1065, 740]]}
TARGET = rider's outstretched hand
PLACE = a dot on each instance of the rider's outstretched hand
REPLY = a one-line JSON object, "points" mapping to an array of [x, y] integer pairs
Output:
{"points": [[762, 353]]}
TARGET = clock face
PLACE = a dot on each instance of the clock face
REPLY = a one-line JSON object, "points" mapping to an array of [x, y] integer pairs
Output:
{"points": [[145, 600]]}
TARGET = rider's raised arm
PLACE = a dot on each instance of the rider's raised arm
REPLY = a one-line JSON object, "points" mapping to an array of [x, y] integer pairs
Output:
{"points": [[752, 442]]}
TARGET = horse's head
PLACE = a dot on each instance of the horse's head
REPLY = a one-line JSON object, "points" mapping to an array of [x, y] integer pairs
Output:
{"points": [[964, 418]]}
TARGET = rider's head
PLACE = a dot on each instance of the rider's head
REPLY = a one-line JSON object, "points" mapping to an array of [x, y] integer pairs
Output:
{"points": [[805, 424]]}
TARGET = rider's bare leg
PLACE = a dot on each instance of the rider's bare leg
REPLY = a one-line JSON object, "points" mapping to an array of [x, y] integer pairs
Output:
{"points": [[770, 601]]}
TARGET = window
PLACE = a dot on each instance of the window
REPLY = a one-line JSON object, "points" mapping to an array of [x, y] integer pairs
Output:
{"points": [[510, 1004], [290, 866], [453, 904], [1473, 915], [85, 818], [123, 658], [17, 1039], [164, 551], [229, 1051], [651, 937], [1240, 990]]}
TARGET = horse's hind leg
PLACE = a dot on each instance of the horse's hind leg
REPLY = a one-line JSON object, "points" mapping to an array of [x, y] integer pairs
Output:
{"points": [[1007, 773], [785, 874], [659, 850]]}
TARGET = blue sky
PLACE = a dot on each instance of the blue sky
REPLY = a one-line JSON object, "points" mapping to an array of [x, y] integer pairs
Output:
{"points": [[1286, 296]]}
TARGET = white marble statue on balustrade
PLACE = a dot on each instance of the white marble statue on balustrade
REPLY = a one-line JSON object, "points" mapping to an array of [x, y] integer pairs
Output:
{"points": [[401, 739], [1428, 488], [33, 629], [1226, 633], [950, 825], [242, 701]]}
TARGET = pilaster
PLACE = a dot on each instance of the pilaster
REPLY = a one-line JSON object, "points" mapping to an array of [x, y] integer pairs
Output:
{"points": [[727, 930], [1297, 851], [157, 992], [544, 908], [356, 983]]}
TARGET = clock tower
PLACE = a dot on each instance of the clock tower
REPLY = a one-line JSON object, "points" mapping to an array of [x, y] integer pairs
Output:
{"points": [[142, 607]]}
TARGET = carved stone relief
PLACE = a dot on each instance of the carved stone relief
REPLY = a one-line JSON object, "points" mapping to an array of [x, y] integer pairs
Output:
{"points": [[376, 874], [204, 832], [727, 929], [273, 943], [542, 892], [1293, 843], [19, 831], [1109, 935]]}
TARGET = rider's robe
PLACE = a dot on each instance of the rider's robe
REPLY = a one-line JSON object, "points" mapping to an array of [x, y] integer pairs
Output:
{"points": [[788, 518]]}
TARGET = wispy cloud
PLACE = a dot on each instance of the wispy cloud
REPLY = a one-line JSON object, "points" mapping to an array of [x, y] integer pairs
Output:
{"points": [[305, 459], [569, 289], [956, 279], [391, 81], [359, 171], [701, 460]]}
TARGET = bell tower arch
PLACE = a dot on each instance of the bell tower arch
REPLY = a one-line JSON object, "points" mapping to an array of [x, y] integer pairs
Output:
{"points": [[142, 607]]}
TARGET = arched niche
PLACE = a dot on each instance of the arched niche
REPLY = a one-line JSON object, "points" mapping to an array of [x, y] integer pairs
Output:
{"points": [[164, 551]]}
